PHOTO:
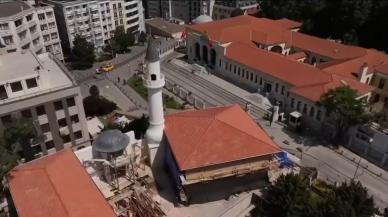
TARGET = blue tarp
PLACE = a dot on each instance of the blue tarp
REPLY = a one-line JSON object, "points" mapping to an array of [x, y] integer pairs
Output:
{"points": [[283, 159]]}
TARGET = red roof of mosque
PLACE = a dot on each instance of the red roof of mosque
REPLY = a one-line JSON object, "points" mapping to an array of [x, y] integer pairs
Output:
{"points": [[241, 34], [214, 136], [56, 186]]}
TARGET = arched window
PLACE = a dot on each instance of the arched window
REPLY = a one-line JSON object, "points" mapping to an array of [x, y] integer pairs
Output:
{"points": [[313, 61], [204, 54], [153, 77], [277, 49], [197, 51], [212, 57]]}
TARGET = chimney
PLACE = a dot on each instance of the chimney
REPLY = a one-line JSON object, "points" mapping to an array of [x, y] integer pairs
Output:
{"points": [[362, 74]]}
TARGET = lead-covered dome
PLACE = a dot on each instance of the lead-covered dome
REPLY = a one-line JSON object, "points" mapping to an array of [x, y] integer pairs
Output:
{"points": [[202, 19], [111, 141]]}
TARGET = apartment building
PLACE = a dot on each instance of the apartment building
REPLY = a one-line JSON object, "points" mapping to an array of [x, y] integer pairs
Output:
{"points": [[38, 86], [152, 8], [223, 9], [29, 26], [96, 20], [183, 10]]}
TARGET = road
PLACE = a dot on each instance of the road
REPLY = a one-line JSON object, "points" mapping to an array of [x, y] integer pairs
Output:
{"points": [[331, 166]]}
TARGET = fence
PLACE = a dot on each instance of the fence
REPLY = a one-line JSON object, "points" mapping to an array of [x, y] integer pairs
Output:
{"points": [[185, 95]]}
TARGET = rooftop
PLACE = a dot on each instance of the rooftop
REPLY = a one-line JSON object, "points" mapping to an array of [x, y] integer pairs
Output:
{"points": [[164, 25], [9, 8], [52, 75], [56, 186], [241, 35], [215, 136]]}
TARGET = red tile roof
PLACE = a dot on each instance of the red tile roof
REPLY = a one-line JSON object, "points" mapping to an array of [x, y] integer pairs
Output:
{"points": [[215, 136], [288, 24], [243, 32], [56, 186]]}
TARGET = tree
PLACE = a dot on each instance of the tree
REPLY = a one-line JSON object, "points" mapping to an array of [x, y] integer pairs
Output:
{"points": [[342, 105], [94, 91], [289, 197], [8, 160], [82, 53], [122, 40], [19, 134], [142, 37], [236, 12], [96, 104], [139, 126]]}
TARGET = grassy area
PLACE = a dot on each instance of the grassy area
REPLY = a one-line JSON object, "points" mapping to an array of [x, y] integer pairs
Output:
{"points": [[170, 102], [136, 83]]}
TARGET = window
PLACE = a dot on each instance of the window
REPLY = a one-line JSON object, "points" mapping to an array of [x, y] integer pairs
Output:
{"points": [[3, 93], [41, 16], [58, 105], [43, 27], [381, 83], [298, 105], [234, 70], [45, 128], [8, 40], [36, 149], [319, 115], [261, 81], [18, 22], [50, 145], [312, 111], [256, 79], [4, 26], [40, 110], [16, 86], [304, 108], [31, 83], [49, 14], [33, 29], [251, 76], [66, 138], [282, 90], [78, 135], [62, 122], [6, 119], [292, 102], [74, 119], [26, 113], [70, 102], [51, 25], [29, 17], [276, 87]]}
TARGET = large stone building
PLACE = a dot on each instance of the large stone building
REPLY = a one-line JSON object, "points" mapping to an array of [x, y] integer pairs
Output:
{"points": [[96, 20], [40, 87], [291, 68], [29, 26]]}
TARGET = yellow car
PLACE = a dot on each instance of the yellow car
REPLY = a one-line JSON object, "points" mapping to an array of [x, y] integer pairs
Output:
{"points": [[107, 67]]}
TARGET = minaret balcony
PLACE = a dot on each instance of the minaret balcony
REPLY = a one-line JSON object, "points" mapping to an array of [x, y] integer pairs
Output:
{"points": [[159, 82]]}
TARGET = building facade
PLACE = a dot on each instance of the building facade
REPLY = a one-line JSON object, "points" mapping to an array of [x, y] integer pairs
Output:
{"points": [[289, 68], [223, 9], [40, 87], [185, 10], [96, 20], [26, 26]]}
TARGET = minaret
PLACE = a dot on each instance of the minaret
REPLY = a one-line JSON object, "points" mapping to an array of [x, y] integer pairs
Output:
{"points": [[153, 80]]}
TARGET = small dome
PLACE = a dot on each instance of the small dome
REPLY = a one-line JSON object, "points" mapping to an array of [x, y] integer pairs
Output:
{"points": [[111, 141], [202, 19]]}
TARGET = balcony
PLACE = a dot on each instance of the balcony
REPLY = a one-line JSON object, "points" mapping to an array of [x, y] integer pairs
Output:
{"points": [[31, 23], [68, 13], [21, 28], [84, 10], [38, 47], [95, 16], [5, 32], [93, 7], [24, 41], [35, 35], [83, 27], [96, 31]]}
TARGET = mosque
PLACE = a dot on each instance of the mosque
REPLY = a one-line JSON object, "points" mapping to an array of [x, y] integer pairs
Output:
{"points": [[201, 147]]}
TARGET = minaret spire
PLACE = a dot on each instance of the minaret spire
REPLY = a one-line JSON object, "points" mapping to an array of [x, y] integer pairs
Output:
{"points": [[154, 81]]}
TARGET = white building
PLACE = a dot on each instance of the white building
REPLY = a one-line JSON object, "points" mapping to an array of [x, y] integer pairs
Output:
{"points": [[27, 26], [96, 20], [223, 9], [41, 88], [185, 10]]}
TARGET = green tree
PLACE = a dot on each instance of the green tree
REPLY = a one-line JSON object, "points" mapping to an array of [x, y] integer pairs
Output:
{"points": [[142, 37], [122, 40], [8, 160], [289, 197], [94, 91], [82, 53], [20, 134], [344, 108]]}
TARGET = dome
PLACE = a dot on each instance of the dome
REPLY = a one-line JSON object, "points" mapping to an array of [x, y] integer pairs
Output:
{"points": [[111, 141], [202, 19]]}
